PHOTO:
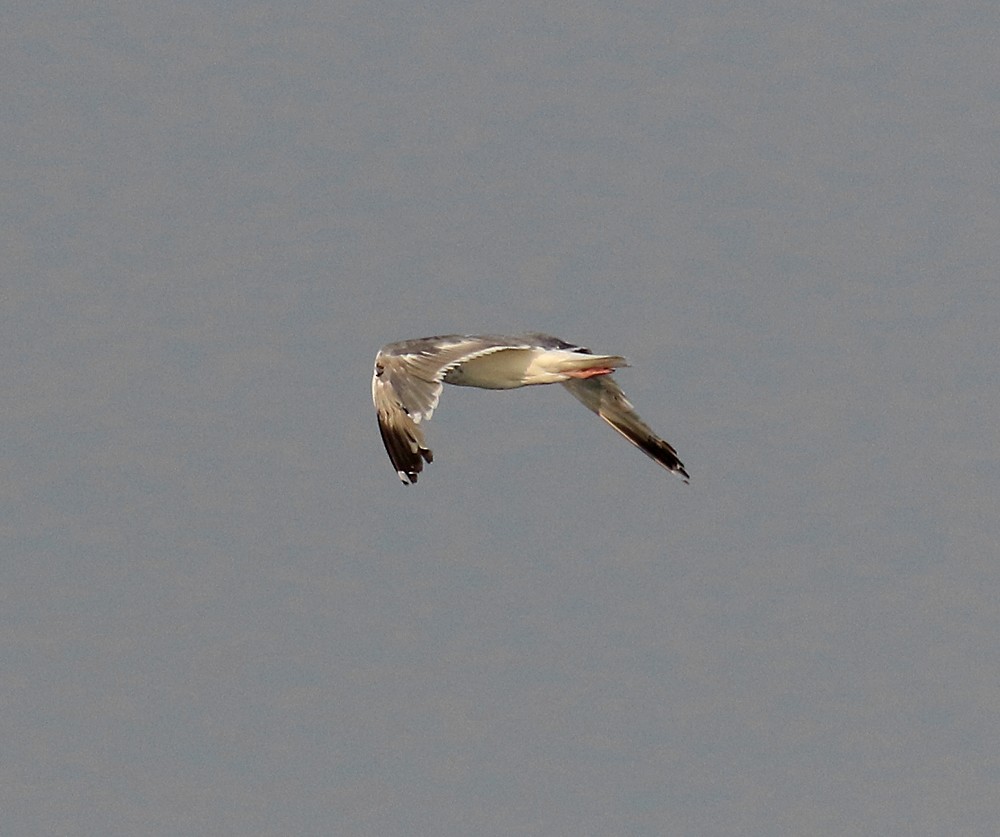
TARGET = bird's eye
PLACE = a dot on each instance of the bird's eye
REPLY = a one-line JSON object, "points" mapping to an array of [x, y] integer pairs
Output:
{"points": [[379, 369]]}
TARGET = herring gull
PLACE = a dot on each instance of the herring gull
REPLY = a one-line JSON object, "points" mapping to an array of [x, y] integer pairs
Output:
{"points": [[409, 376]]}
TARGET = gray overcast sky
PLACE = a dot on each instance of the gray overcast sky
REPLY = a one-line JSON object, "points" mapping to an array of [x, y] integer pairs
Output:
{"points": [[222, 613]]}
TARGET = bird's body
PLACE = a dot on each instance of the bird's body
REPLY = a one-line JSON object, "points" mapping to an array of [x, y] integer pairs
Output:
{"points": [[409, 377]]}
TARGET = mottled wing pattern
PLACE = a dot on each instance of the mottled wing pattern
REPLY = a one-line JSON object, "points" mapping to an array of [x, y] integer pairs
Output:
{"points": [[603, 396], [406, 387]]}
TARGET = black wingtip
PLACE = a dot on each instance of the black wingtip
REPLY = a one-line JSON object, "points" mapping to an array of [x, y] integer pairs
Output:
{"points": [[409, 476], [664, 454]]}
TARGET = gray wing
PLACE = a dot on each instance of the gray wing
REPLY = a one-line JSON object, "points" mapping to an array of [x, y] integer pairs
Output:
{"points": [[603, 396], [406, 387]]}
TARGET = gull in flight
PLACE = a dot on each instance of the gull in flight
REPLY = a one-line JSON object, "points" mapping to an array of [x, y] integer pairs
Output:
{"points": [[410, 375]]}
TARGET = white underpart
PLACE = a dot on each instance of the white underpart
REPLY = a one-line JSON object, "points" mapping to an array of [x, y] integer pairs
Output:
{"points": [[514, 368], [551, 367]]}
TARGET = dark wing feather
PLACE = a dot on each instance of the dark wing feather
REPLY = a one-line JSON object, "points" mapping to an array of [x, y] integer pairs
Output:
{"points": [[603, 396], [401, 435], [406, 387]]}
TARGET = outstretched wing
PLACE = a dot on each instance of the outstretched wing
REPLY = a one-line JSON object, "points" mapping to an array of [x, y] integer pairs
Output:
{"points": [[406, 387], [603, 396]]}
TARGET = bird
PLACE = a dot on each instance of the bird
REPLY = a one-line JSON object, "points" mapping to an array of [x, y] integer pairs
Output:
{"points": [[410, 374]]}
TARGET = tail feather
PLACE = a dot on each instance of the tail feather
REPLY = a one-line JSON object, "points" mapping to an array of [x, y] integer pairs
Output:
{"points": [[590, 361]]}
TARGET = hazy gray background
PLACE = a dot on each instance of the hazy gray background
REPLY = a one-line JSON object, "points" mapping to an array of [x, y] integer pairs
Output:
{"points": [[222, 613]]}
